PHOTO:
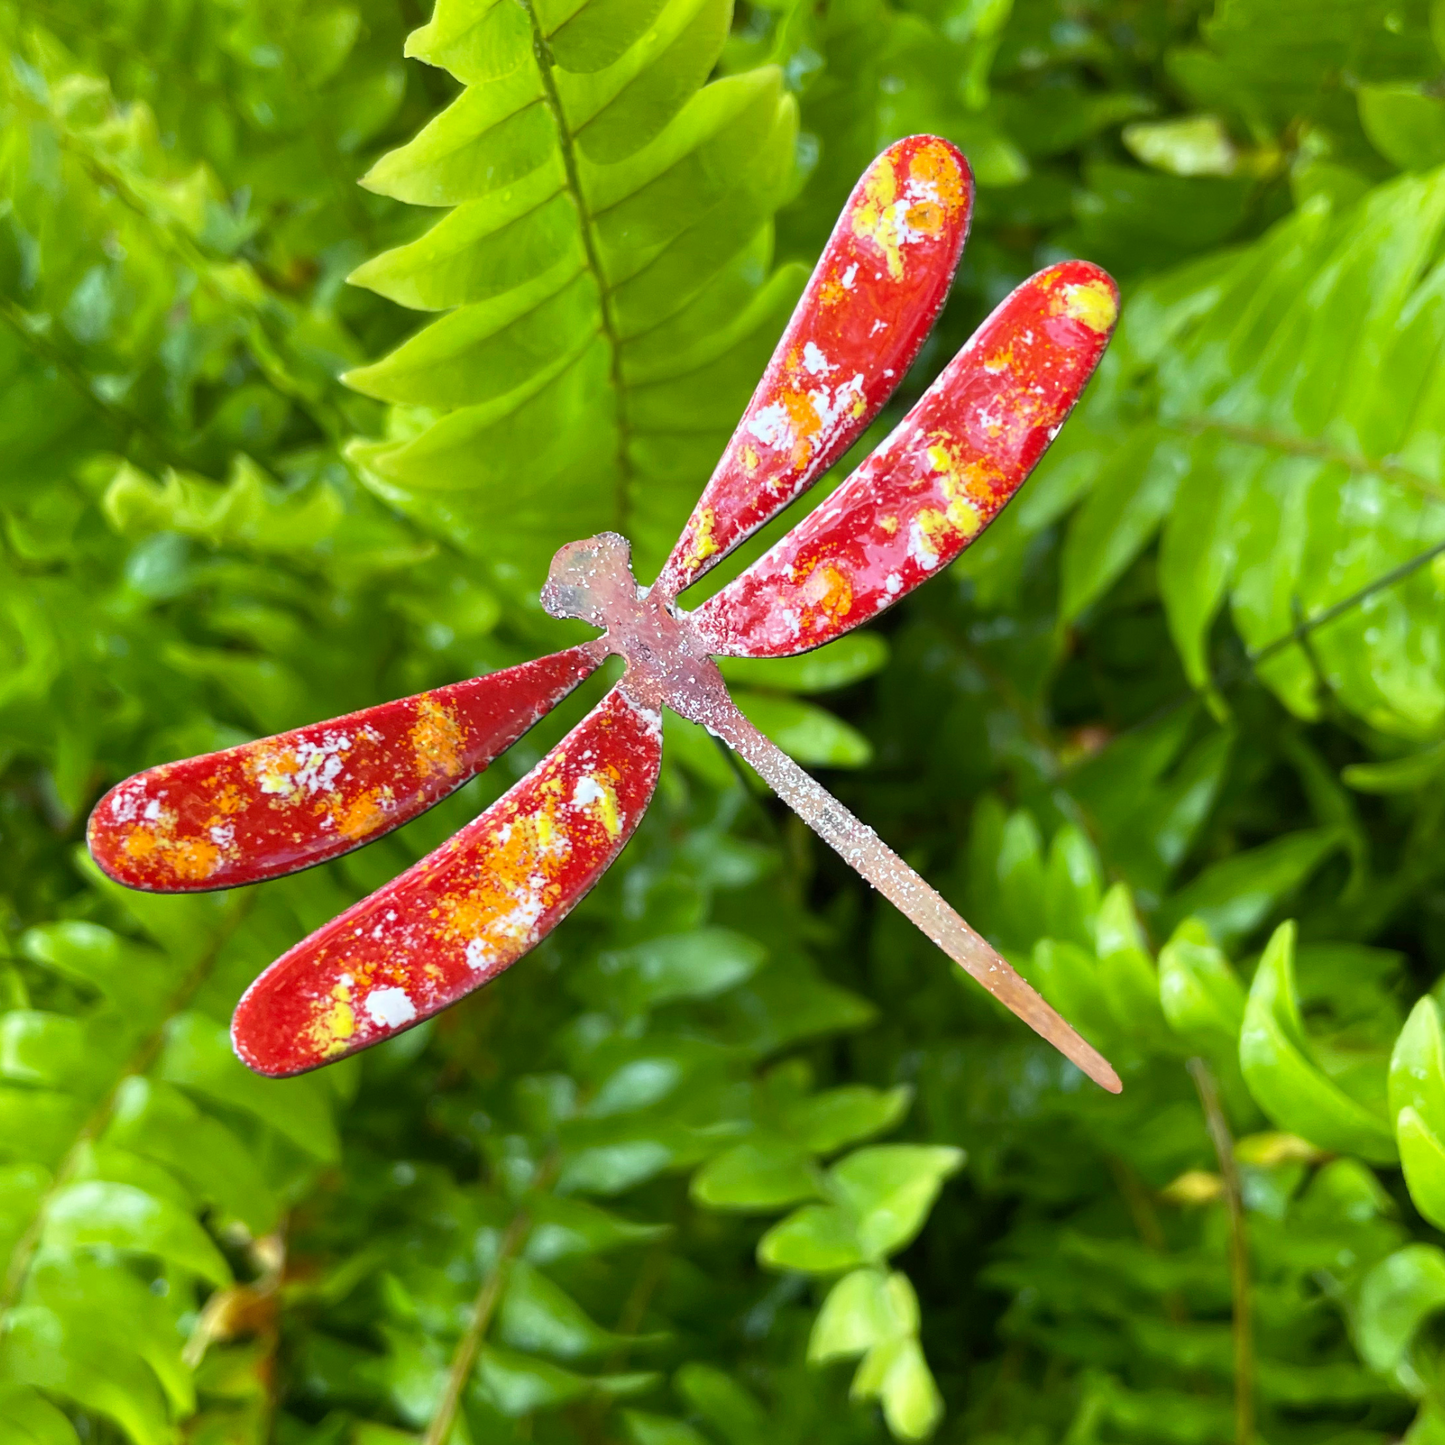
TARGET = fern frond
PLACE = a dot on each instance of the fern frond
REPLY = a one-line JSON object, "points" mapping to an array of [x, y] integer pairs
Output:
{"points": [[604, 266]]}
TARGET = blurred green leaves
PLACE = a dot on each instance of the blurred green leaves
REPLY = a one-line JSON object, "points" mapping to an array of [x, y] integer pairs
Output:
{"points": [[702, 1148]]}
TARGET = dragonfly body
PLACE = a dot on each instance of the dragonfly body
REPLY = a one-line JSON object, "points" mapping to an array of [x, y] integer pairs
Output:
{"points": [[483, 899]]}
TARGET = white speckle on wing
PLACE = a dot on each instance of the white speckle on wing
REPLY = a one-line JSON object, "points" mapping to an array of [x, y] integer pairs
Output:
{"points": [[814, 362], [771, 427], [390, 1007], [587, 791]]}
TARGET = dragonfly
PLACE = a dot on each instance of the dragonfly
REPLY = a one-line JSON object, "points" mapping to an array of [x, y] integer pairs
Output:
{"points": [[470, 909]]}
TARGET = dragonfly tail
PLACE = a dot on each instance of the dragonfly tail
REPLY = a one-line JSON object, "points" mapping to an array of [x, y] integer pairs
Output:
{"points": [[862, 849]]}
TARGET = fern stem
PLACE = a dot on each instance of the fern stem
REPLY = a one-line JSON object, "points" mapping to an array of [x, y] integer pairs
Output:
{"points": [[1316, 620], [127, 424], [464, 1357], [1270, 440], [139, 1062], [543, 55], [1239, 1285]]}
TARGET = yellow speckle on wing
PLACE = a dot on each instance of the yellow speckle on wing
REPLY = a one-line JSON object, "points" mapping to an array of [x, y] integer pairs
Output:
{"points": [[437, 738], [275, 771], [335, 1022], [604, 806], [1091, 302], [873, 220], [935, 531], [704, 544], [889, 525], [750, 460], [964, 517]]}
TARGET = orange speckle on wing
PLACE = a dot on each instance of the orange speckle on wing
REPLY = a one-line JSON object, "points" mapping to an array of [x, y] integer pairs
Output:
{"points": [[139, 844], [933, 164], [364, 814], [437, 738], [999, 360], [826, 594]]}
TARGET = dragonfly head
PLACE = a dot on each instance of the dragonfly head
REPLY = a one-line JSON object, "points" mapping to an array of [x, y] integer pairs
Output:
{"points": [[592, 580]]}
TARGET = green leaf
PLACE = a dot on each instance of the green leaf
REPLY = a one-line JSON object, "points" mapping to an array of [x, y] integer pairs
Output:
{"points": [[1234, 897], [539, 1317], [863, 1309], [1396, 1298], [1399, 775], [1126, 973], [699, 964], [1072, 887], [158, 1122], [816, 1239], [1404, 124], [762, 1173], [198, 1058], [1417, 1104], [889, 1189], [829, 1120], [1120, 517], [565, 1228], [1200, 993], [850, 659], [723, 1403], [806, 733], [32, 1419], [118, 1216], [645, 1429], [608, 252], [896, 1373], [60, 1356], [1276, 1058]]}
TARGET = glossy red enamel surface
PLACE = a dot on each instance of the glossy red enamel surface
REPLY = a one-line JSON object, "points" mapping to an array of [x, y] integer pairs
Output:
{"points": [[938, 480], [866, 310], [455, 920], [278, 804]]}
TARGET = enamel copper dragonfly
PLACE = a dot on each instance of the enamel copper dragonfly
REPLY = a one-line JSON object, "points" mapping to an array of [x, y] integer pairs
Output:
{"points": [[457, 918]]}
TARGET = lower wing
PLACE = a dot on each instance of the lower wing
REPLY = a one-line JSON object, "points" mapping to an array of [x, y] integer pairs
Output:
{"points": [[455, 920], [938, 480], [284, 803]]}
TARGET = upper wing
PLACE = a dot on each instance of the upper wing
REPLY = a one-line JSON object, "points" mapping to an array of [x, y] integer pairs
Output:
{"points": [[868, 305], [455, 920], [279, 804], [939, 479]]}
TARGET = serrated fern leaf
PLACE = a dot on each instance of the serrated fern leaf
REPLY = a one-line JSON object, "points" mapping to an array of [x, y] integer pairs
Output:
{"points": [[603, 266], [134, 1145], [1275, 416]]}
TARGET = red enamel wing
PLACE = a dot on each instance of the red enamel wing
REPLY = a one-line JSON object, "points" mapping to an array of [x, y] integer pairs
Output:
{"points": [[469, 910]]}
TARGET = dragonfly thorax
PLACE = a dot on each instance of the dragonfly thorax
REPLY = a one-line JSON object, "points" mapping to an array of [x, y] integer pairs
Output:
{"points": [[666, 661]]}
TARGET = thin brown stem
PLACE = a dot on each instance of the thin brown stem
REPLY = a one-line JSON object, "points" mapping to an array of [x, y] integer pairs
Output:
{"points": [[1239, 1284], [489, 1296]]}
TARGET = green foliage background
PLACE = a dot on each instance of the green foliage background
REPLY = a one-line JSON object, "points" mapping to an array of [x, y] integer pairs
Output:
{"points": [[735, 1158]]}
